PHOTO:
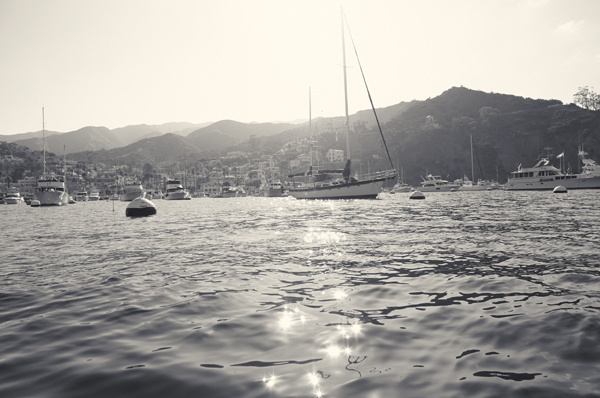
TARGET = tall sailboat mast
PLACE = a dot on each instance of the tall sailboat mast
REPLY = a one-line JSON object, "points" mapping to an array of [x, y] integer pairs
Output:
{"points": [[44, 139], [345, 90], [310, 137]]}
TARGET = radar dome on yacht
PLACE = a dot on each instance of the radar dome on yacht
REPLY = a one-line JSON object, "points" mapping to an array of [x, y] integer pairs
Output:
{"points": [[140, 207]]}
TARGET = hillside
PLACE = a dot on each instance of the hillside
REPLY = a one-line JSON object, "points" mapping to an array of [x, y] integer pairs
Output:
{"points": [[434, 136], [148, 150], [226, 133], [86, 138], [97, 138], [26, 136]]}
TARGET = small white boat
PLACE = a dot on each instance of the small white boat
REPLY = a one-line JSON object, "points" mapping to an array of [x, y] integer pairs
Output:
{"points": [[436, 184], [274, 189], [133, 190], [94, 196], [175, 191], [81, 196], [401, 187], [13, 197]]}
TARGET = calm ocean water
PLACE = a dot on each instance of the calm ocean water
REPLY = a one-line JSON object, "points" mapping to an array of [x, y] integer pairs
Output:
{"points": [[481, 294]]}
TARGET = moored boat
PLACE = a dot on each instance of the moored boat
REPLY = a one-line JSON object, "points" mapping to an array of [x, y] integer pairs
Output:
{"points": [[175, 191], [13, 197], [51, 189], [133, 189], [435, 184], [543, 176], [274, 189], [230, 191], [338, 184], [81, 196], [94, 196]]}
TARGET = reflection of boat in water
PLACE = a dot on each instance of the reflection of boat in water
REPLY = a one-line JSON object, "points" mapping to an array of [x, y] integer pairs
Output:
{"points": [[436, 184], [274, 189], [543, 176], [13, 197], [175, 191], [132, 190], [338, 184]]}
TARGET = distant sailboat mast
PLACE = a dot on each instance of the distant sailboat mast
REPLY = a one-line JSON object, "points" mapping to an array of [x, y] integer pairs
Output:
{"points": [[44, 139], [310, 137], [472, 168]]}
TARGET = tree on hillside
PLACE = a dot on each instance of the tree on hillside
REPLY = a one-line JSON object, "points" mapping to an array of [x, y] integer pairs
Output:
{"points": [[147, 171], [587, 98]]}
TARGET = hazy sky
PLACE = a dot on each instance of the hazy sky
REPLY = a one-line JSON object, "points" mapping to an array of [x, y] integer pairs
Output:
{"points": [[121, 62]]}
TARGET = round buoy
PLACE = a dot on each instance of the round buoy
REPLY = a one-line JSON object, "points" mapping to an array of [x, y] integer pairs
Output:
{"points": [[140, 207], [560, 189], [417, 195], [35, 203]]}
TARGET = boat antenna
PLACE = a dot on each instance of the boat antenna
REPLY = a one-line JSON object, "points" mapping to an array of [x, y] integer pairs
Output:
{"points": [[366, 86]]}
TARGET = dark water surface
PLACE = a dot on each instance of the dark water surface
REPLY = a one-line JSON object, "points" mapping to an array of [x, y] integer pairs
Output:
{"points": [[482, 294]]}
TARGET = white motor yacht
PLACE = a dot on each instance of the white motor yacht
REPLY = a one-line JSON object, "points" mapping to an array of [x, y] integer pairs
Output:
{"points": [[436, 184], [94, 196], [543, 176], [175, 191], [81, 196], [133, 190], [13, 197]]}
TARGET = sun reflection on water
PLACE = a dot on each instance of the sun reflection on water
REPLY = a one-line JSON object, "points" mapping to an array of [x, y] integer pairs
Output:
{"points": [[270, 380]]}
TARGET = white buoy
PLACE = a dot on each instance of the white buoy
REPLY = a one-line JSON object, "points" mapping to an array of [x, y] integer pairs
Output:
{"points": [[560, 189], [140, 207], [35, 203], [417, 195]]}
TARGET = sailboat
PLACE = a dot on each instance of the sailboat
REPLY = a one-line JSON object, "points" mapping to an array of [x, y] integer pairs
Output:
{"points": [[338, 184], [471, 185], [51, 189]]}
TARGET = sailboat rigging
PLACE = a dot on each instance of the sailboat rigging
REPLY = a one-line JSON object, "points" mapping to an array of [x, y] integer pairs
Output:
{"points": [[338, 184]]}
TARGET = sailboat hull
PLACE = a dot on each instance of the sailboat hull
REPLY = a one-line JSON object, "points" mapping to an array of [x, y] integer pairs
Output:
{"points": [[353, 190]]}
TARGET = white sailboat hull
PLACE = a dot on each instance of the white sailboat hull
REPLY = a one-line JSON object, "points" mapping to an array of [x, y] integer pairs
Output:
{"points": [[355, 190]]}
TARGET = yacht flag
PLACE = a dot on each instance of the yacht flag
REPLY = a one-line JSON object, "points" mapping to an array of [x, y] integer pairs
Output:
{"points": [[561, 155]]}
